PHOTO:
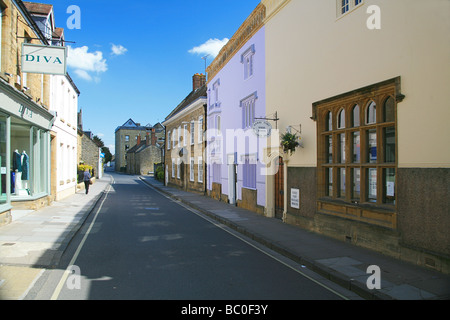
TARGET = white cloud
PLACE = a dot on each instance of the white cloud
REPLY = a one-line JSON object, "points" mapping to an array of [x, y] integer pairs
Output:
{"points": [[83, 74], [85, 63], [211, 47], [118, 50]]}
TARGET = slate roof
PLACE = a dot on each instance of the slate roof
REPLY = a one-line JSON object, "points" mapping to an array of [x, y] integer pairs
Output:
{"points": [[192, 97]]}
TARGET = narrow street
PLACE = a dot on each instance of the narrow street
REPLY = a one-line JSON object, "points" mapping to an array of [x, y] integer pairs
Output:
{"points": [[139, 244]]}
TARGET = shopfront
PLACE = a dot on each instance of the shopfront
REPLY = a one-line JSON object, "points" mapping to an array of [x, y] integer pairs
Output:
{"points": [[24, 149]]}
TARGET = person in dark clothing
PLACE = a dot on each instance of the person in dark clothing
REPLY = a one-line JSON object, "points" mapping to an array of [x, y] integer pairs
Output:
{"points": [[87, 180]]}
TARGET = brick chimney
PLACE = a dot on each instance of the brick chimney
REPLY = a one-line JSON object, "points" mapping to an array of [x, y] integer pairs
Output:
{"points": [[139, 139], [153, 137], [198, 80]]}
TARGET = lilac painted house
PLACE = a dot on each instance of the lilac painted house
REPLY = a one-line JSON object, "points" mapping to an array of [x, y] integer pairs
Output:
{"points": [[236, 97]]}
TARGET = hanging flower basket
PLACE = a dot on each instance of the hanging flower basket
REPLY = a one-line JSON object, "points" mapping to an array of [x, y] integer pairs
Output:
{"points": [[289, 142]]}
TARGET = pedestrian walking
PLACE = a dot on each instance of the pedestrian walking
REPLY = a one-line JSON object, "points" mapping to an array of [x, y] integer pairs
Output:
{"points": [[87, 180]]}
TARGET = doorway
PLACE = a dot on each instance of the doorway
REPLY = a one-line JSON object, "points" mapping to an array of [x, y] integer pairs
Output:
{"points": [[279, 189]]}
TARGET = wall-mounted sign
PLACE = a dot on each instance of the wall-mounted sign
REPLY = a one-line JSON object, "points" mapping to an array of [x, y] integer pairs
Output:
{"points": [[262, 128], [295, 198], [44, 59]]}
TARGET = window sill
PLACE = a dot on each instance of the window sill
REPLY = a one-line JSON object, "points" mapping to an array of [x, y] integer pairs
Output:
{"points": [[384, 216]]}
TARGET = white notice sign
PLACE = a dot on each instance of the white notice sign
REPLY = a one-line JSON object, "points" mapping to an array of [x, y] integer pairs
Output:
{"points": [[295, 198], [43, 59]]}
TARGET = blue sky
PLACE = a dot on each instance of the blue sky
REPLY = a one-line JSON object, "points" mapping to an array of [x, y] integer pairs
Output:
{"points": [[135, 59]]}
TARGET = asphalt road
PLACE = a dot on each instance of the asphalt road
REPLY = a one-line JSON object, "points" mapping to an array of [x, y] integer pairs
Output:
{"points": [[138, 244]]}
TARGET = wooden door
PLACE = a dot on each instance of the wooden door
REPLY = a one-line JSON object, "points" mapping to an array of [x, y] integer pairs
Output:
{"points": [[279, 190]]}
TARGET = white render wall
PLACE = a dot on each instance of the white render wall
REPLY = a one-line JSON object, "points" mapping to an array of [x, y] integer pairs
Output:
{"points": [[64, 101]]}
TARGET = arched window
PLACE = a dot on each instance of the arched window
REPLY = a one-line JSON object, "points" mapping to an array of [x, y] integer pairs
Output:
{"points": [[371, 113], [389, 110], [341, 119], [355, 116]]}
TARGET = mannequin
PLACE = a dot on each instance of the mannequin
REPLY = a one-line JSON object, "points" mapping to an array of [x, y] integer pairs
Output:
{"points": [[17, 168], [25, 169]]}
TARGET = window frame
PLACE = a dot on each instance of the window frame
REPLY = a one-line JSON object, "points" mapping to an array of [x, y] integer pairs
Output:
{"points": [[247, 59], [379, 171], [349, 5], [248, 106]]}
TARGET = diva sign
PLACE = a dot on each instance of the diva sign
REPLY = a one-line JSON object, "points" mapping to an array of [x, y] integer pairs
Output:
{"points": [[44, 59]]}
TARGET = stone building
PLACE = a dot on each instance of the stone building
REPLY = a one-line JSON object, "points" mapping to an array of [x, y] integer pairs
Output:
{"points": [[185, 127], [25, 118], [126, 137], [142, 158], [372, 112]]}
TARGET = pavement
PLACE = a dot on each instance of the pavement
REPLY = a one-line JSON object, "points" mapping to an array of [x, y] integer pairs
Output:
{"points": [[36, 240]]}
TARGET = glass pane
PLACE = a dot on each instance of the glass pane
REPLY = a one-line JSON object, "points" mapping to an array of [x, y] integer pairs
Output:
{"points": [[342, 148], [389, 110], [329, 149], [341, 119], [355, 116], [371, 113], [389, 144], [3, 180], [329, 122], [389, 186], [372, 146], [372, 185], [342, 182], [329, 182], [356, 147], [356, 178]]}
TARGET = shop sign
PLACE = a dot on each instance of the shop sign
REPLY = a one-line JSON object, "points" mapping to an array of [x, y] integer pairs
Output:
{"points": [[262, 128], [44, 59]]}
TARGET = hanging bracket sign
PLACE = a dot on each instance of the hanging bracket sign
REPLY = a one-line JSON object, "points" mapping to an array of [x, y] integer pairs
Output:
{"points": [[262, 128], [44, 59]]}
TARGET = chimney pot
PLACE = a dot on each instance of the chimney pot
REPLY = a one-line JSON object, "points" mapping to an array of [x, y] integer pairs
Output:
{"points": [[198, 80]]}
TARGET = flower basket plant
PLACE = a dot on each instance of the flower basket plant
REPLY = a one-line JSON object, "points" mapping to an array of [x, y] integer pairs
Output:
{"points": [[289, 142]]}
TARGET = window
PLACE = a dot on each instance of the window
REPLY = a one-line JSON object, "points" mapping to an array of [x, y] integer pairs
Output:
{"points": [[247, 61], [191, 169], [168, 140], [345, 6], [179, 169], [248, 111], [249, 169], [218, 125], [174, 137], [357, 162], [200, 169], [173, 168], [127, 138], [192, 132], [185, 135], [200, 129]]}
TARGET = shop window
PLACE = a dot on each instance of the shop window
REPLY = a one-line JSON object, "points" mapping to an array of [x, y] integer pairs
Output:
{"points": [[29, 160], [357, 162], [3, 159]]}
